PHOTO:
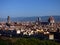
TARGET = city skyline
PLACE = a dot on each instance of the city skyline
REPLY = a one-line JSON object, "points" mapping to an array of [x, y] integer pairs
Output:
{"points": [[28, 8]]}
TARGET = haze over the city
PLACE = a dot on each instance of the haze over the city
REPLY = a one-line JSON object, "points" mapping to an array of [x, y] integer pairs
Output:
{"points": [[27, 8]]}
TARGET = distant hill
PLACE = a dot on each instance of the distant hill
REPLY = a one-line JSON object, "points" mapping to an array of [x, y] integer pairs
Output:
{"points": [[42, 18]]}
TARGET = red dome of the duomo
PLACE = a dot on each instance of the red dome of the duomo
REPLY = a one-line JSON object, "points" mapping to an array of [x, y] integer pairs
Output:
{"points": [[51, 19]]}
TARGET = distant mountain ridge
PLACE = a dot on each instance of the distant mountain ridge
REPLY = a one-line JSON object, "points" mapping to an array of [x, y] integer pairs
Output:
{"points": [[34, 18]]}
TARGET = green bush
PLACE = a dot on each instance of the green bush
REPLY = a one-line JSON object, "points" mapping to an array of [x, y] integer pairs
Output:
{"points": [[27, 41]]}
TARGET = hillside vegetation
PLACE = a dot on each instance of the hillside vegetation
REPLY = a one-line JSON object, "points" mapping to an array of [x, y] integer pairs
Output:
{"points": [[26, 41]]}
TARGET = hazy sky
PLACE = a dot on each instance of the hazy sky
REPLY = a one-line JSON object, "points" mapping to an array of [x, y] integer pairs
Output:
{"points": [[27, 8]]}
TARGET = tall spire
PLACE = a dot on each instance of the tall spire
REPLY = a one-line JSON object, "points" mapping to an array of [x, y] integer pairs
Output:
{"points": [[38, 21], [8, 19]]}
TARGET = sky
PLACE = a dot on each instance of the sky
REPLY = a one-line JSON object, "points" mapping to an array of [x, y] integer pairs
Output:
{"points": [[28, 8]]}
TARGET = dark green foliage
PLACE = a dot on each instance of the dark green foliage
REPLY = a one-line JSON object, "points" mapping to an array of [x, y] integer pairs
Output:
{"points": [[27, 41]]}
